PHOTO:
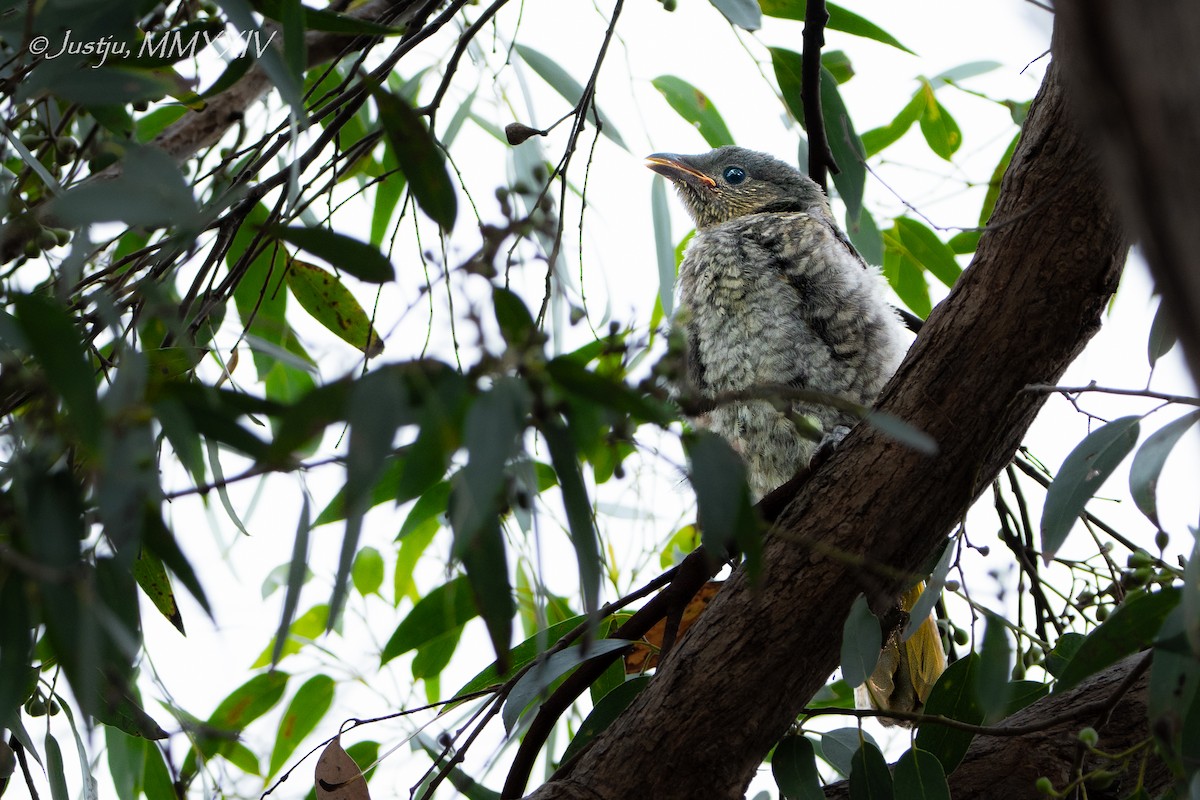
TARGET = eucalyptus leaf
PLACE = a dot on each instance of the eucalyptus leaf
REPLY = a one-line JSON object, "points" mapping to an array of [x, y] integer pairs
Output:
{"points": [[794, 767], [534, 682], [1081, 476], [695, 108], [861, 642], [1148, 463]]}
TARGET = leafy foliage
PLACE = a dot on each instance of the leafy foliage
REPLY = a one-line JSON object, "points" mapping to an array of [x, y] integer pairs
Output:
{"points": [[166, 344]]}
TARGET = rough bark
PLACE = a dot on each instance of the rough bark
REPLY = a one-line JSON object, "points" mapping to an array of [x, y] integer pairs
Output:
{"points": [[1132, 69], [1004, 767], [1032, 297]]}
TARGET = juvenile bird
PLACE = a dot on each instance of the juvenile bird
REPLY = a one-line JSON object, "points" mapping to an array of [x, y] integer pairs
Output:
{"points": [[772, 294]]}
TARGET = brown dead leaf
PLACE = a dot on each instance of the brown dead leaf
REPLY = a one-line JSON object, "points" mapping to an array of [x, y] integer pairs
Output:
{"points": [[337, 776], [644, 655]]}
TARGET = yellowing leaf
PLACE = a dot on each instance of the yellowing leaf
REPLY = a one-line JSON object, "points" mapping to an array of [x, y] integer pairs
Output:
{"points": [[330, 303]]}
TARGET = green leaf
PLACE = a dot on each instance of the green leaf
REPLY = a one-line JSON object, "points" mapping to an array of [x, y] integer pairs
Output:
{"points": [[965, 242], [963, 71], [515, 321], [865, 236], [862, 639], [549, 71], [595, 388], [521, 655], [1064, 650], [919, 775], [54, 342], [993, 190], [939, 128], [249, 701], [723, 508], [664, 248], [330, 21], [242, 706], [348, 254], [838, 64], [283, 79], [378, 404], [296, 574], [839, 20], [159, 540], [602, 715], [303, 714], [847, 148], [564, 457], [924, 247], [995, 670], [151, 576], [1022, 694], [485, 561], [492, 436], [1162, 335], [879, 138], [433, 656], [933, 590], [150, 191], [1174, 683], [1133, 626], [869, 775], [902, 432], [367, 572], [839, 746], [954, 696], [420, 158], [743, 13], [695, 107], [905, 274], [534, 682], [54, 769], [1148, 463], [1081, 476], [430, 504], [330, 303], [447, 607], [794, 767], [16, 646]]}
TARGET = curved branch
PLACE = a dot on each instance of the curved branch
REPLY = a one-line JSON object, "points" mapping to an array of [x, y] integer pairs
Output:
{"points": [[1003, 765]]}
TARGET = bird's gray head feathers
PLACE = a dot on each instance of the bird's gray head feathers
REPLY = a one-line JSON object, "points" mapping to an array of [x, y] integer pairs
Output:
{"points": [[731, 182]]}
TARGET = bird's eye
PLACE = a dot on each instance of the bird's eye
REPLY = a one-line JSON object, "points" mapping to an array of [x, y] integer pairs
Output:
{"points": [[734, 175]]}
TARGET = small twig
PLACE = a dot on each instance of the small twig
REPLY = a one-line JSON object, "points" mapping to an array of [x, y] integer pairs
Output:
{"points": [[1067, 391]]}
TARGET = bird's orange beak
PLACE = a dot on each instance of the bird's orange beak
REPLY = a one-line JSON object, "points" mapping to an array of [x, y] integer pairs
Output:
{"points": [[677, 169]]}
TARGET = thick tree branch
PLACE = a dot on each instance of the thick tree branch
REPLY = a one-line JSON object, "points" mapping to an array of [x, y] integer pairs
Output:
{"points": [[1032, 298], [1003, 767], [204, 128], [1132, 68]]}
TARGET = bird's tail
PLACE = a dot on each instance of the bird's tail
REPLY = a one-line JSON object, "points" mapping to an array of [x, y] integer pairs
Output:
{"points": [[906, 671]]}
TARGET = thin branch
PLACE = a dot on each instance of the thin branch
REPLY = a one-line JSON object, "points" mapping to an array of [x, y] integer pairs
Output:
{"points": [[1067, 391], [820, 157]]}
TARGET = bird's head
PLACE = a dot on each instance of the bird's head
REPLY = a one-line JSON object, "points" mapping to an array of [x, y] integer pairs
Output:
{"points": [[731, 182]]}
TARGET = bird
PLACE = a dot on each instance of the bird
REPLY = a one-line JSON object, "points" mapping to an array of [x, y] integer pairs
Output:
{"points": [[774, 298]]}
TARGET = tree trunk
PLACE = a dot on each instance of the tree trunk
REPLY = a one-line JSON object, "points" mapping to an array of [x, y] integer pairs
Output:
{"points": [[1033, 296], [1132, 69]]}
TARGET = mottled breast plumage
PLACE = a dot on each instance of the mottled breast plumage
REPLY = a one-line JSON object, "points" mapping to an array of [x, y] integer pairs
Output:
{"points": [[773, 295]]}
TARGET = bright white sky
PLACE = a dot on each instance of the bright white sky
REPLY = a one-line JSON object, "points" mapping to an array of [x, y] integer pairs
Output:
{"points": [[619, 273]]}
